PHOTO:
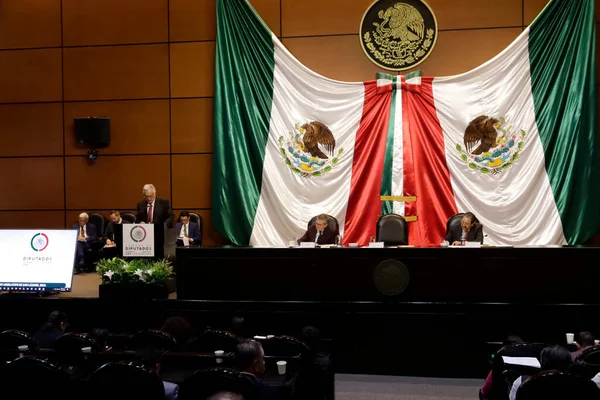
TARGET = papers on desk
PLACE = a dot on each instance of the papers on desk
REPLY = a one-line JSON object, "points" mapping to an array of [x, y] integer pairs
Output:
{"points": [[307, 245], [522, 361]]}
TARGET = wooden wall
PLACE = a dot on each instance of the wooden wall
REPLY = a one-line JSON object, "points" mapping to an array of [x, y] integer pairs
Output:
{"points": [[149, 65]]}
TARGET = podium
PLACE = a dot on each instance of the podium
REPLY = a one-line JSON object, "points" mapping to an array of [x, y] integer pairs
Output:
{"points": [[141, 240]]}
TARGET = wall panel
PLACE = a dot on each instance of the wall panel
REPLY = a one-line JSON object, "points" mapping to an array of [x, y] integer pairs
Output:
{"points": [[192, 125], [32, 219], [94, 22], [30, 75], [114, 182], [192, 176], [185, 18], [192, 69], [31, 129], [116, 72], [29, 23], [32, 183], [136, 127]]}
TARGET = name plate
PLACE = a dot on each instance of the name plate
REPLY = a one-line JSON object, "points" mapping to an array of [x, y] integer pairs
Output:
{"points": [[307, 245], [376, 245], [472, 244]]}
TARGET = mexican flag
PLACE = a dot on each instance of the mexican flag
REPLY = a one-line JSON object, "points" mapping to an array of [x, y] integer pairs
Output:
{"points": [[514, 140]]}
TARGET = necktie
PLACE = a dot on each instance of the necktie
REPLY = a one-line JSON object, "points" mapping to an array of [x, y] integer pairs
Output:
{"points": [[150, 213], [82, 233], [318, 236], [185, 230]]}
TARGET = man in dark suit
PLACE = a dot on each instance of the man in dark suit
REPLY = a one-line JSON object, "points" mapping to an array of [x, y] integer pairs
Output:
{"points": [[187, 228], [87, 235], [154, 210], [469, 230], [250, 361], [320, 232], [115, 219]]}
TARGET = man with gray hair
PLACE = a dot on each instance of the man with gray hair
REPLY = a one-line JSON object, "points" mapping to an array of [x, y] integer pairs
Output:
{"points": [[154, 210], [320, 232], [86, 234]]}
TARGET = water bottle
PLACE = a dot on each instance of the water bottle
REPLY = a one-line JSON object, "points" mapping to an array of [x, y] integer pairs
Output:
{"points": [[338, 240]]}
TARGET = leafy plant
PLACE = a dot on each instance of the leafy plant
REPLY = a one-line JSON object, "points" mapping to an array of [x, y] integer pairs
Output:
{"points": [[118, 270]]}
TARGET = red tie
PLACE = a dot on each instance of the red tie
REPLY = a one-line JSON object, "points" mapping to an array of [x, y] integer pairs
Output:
{"points": [[150, 214]]}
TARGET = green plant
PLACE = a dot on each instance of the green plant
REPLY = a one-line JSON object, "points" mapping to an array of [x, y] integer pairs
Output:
{"points": [[118, 270]]}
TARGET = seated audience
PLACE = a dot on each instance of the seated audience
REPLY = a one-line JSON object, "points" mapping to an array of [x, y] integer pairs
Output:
{"points": [[320, 372], [100, 335], [250, 361], [238, 326], [486, 389], [115, 219], [151, 359], [180, 329], [87, 234], [320, 232], [187, 228], [54, 327], [552, 357], [469, 230], [585, 340]]}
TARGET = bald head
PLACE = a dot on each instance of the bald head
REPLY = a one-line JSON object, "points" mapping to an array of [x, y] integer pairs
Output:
{"points": [[226, 396]]}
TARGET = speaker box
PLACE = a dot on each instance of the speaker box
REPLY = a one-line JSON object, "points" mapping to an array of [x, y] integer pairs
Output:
{"points": [[93, 131]]}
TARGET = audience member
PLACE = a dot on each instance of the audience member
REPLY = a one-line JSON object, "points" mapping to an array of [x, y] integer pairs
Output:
{"points": [[180, 329], [552, 357], [85, 236], [250, 361], [115, 219], [100, 335], [486, 389], [226, 396], [238, 326], [585, 340], [151, 359], [320, 372], [54, 327]]}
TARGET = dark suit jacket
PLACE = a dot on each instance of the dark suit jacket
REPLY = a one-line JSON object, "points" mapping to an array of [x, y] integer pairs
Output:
{"points": [[45, 338], [162, 212], [327, 237], [193, 232], [110, 231], [90, 231], [474, 235]]}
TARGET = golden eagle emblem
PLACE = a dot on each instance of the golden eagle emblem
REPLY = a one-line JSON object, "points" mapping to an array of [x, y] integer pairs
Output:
{"points": [[485, 150], [309, 150], [398, 35]]}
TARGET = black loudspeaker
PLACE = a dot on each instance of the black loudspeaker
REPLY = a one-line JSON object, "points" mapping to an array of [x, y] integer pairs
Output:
{"points": [[93, 131]]}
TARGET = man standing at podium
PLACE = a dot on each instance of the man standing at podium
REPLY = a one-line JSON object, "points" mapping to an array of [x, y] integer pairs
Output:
{"points": [[154, 210]]}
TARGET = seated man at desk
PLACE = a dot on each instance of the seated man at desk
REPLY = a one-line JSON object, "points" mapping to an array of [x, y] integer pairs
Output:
{"points": [[187, 228], [115, 219], [469, 230], [320, 232]]}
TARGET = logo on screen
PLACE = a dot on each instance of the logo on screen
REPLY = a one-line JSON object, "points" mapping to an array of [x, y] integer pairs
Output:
{"points": [[138, 234], [39, 242]]}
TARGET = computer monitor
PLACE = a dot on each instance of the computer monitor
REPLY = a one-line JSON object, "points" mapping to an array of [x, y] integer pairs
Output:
{"points": [[37, 260]]}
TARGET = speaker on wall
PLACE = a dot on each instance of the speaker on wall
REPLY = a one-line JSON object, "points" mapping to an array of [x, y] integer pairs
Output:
{"points": [[93, 131]]}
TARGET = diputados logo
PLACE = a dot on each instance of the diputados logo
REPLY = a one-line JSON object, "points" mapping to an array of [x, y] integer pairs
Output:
{"points": [[39, 241], [137, 234]]}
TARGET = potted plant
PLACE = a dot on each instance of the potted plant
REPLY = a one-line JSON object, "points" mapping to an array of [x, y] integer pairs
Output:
{"points": [[135, 279]]}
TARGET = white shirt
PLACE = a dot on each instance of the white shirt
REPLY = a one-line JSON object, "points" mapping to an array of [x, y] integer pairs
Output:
{"points": [[183, 227], [515, 388], [319, 233]]}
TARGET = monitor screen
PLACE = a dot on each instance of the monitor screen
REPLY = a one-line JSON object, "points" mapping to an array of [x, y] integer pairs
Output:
{"points": [[37, 260]]}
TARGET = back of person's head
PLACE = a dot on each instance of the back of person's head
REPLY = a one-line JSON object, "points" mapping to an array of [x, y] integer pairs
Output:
{"points": [[179, 328], [246, 353], [226, 396], [56, 320], [149, 358], [585, 339], [555, 357], [513, 339], [100, 335], [311, 336], [238, 325]]}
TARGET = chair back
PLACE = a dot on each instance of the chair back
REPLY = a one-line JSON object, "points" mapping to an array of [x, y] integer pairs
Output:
{"points": [[214, 339], [152, 339], [34, 378], [12, 339], [98, 220], [128, 218], [392, 229], [126, 380], [206, 382], [332, 223], [284, 346], [68, 347], [588, 362], [503, 375], [557, 385]]}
